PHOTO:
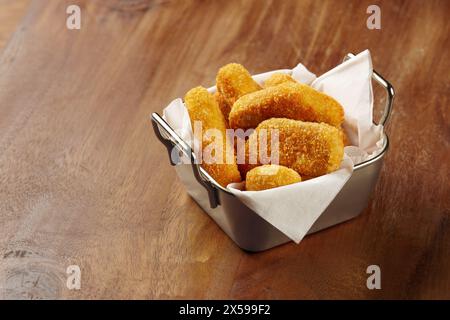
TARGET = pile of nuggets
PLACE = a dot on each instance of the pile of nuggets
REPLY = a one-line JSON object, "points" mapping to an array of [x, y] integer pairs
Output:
{"points": [[308, 122]]}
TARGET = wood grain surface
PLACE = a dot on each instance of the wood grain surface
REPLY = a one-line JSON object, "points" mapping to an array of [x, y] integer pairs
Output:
{"points": [[11, 11], [83, 180]]}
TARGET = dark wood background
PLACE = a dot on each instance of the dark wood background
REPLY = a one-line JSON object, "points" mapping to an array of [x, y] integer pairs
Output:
{"points": [[84, 181]]}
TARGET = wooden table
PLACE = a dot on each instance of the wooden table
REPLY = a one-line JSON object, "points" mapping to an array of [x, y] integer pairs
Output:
{"points": [[83, 180]]}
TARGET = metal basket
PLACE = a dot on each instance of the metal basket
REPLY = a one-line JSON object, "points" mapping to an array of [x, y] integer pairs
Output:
{"points": [[245, 227]]}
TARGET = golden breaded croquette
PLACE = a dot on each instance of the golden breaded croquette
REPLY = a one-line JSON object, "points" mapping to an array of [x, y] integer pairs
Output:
{"points": [[224, 106], [311, 149], [233, 81], [270, 176], [288, 100], [345, 138], [202, 106], [278, 78]]}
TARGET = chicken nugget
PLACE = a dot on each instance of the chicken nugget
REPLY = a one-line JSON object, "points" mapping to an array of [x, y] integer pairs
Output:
{"points": [[270, 176], [312, 149], [202, 107], [288, 100], [278, 78], [224, 106], [233, 81]]}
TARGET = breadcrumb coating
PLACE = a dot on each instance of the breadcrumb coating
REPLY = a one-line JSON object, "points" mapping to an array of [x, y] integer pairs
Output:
{"points": [[202, 106], [270, 176], [287, 100], [311, 149], [278, 78], [224, 106], [233, 81], [345, 138]]}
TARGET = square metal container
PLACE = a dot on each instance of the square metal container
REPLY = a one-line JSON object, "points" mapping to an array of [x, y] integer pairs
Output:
{"points": [[245, 227]]}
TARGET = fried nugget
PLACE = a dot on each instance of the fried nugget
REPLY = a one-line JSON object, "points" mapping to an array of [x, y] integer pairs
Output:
{"points": [[278, 78], [270, 176], [233, 81], [312, 149], [224, 106], [202, 106], [288, 100]]}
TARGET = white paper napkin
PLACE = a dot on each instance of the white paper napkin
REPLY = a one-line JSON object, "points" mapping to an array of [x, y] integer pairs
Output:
{"points": [[293, 209]]}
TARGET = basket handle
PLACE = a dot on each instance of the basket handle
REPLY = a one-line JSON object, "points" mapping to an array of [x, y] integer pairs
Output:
{"points": [[172, 141], [389, 92]]}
